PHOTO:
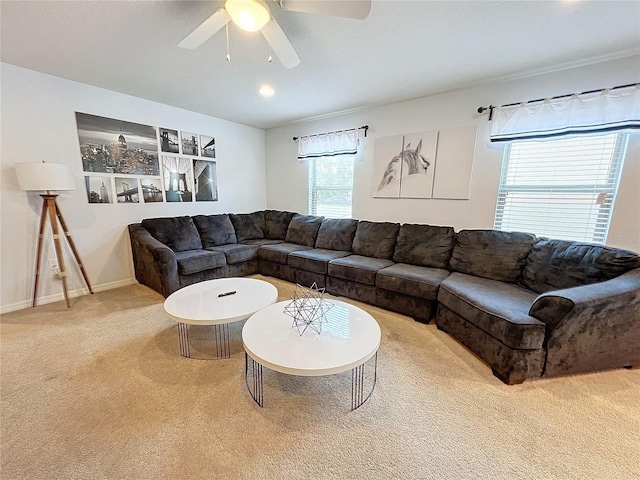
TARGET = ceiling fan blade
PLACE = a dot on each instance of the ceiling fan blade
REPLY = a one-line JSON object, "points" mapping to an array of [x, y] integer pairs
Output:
{"points": [[280, 44], [206, 30], [358, 9]]}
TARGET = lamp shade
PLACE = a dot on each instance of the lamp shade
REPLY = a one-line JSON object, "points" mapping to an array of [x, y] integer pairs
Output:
{"points": [[45, 176]]}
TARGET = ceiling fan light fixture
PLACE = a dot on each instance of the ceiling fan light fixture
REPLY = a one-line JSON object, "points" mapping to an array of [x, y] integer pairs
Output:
{"points": [[249, 15], [266, 91]]}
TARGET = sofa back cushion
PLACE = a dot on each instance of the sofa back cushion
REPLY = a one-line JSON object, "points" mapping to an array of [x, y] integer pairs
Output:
{"points": [[276, 224], [303, 229], [491, 254], [177, 233], [336, 234], [375, 239], [248, 225], [424, 245], [215, 230], [557, 264]]}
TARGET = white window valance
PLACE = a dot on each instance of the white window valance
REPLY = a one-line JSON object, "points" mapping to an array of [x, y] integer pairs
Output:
{"points": [[328, 144], [604, 111]]}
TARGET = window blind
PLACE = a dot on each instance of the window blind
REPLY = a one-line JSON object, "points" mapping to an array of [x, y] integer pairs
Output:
{"points": [[331, 186], [561, 188]]}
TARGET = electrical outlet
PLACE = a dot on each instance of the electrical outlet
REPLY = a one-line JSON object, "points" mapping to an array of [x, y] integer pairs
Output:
{"points": [[53, 264]]}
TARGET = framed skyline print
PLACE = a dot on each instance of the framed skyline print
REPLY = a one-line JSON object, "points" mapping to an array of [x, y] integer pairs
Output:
{"points": [[117, 146]]}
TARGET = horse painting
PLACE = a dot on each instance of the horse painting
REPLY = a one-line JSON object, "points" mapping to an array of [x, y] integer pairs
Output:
{"points": [[414, 162]]}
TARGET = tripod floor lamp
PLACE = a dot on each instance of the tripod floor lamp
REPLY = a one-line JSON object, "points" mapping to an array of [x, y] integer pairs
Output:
{"points": [[50, 177]]}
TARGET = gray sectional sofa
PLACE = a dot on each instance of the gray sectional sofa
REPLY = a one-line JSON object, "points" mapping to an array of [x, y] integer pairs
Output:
{"points": [[529, 307]]}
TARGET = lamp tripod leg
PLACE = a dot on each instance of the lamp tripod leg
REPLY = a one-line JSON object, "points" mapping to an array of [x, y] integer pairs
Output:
{"points": [[51, 207], [43, 217], [72, 245]]}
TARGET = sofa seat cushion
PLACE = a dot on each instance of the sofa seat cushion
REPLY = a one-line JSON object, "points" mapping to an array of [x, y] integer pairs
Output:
{"points": [[498, 308], [425, 245], [303, 229], [279, 252], [215, 230], [316, 260], [177, 233], [237, 252], [357, 268], [194, 261], [261, 241], [491, 254], [336, 234], [558, 264], [411, 280], [248, 225], [276, 223], [375, 239]]}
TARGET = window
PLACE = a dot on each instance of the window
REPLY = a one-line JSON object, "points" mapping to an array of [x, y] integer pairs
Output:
{"points": [[331, 186], [563, 188]]}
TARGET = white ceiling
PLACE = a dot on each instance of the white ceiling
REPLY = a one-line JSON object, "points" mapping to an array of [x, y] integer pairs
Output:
{"points": [[405, 49]]}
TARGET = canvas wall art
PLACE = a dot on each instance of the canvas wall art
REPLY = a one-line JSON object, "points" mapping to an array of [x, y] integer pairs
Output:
{"points": [[456, 148], [419, 164], [178, 178], [434, 164], [387, 166], [404, 165], [151, 190], [189, 143], [127, 190], [135, 163], [207, 146], [169, 141], [99, 189], [205, 180], [117, 146]]}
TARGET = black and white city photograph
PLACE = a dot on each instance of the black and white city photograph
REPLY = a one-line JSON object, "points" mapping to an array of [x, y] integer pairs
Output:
{"points": [[169, 141], [207, 146], [116, 146], [189, 143], [206, 180], [127, 190], [151, 190], [99, 189], [178, 178]]}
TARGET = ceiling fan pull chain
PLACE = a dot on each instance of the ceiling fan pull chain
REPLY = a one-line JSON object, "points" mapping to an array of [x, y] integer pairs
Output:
{"points": [[270, 59], [226, 25]]}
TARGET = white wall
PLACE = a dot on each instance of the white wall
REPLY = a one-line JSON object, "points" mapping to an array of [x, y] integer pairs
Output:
{"points": [[287, 186], [38, 123]]}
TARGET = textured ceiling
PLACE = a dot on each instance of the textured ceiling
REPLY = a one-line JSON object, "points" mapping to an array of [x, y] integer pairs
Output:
{"points": [[405, 49]]}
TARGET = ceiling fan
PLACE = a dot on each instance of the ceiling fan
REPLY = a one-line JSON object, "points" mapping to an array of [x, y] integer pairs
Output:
{"points": [[253, 15]]}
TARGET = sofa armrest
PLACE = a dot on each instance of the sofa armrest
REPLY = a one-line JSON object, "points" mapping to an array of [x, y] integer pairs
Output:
{"points": [[552, 307], [155, 264], [592, 327]]}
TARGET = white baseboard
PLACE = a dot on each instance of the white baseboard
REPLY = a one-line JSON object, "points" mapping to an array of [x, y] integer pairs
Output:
{"points": [[56, 297]]}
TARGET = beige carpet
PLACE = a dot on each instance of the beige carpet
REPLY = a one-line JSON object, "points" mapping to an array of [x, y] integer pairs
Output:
{"points": [[101, 392]]}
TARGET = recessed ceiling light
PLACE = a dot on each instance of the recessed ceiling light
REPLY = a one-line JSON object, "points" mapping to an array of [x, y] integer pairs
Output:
{"points": [[266, 91]]}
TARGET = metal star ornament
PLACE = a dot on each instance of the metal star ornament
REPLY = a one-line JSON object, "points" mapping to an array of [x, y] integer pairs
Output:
{"points": [[308, 308]]}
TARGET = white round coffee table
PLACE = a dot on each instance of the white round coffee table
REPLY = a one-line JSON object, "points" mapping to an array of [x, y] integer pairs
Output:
{"points": [[218, 303], [349, 338]]}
